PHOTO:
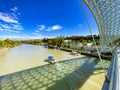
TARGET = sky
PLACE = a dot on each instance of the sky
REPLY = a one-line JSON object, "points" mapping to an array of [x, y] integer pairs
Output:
{"points": [[36, 19]]}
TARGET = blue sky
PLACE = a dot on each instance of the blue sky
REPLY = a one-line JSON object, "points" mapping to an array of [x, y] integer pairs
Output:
{"points": [[22, 19]]}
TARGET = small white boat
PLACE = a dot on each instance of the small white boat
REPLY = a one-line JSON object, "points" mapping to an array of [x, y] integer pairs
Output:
{"points": [[50, 59], [74, 53]]}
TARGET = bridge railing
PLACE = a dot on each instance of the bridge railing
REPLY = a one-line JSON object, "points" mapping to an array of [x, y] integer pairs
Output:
{"points": [[113, 73]]}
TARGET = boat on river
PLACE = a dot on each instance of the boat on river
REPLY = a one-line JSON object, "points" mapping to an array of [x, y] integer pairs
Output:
{"points": [[74, 53], [50, 60]]}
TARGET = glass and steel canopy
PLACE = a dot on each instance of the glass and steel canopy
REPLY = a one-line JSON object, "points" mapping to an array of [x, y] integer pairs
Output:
{"points": [[107, 17]]}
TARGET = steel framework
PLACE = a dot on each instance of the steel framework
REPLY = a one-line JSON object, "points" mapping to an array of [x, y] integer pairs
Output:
{"points": [[107, 17]]}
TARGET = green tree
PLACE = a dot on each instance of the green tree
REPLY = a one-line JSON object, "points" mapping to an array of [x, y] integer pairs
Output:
{"points": [[84, 42]]}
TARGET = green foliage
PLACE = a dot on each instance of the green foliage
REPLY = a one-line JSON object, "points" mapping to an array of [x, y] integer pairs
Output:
{"points": [[72, 40], [45, 40], [83, 39], [9, 43], [50, 42], [84, 43], [35, 41], [56, 42]]}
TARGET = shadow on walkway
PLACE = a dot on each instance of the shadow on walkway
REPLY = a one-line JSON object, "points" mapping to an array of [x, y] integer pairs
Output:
{"points": [[65, 75]]}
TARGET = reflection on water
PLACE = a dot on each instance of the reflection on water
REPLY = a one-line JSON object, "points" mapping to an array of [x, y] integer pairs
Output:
{"points": [[71, 74], [28, 56]]}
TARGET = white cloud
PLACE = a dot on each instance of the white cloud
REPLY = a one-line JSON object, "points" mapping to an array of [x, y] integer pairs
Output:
{"points": [[9, 37], [12, 28], [24, 37], [10, 21], [12, 31], [14, 9], [54, 27], [41, 27], [35, 33], [7, 18], [4, 26], [40, 36], [17, 26], [79, 25]]}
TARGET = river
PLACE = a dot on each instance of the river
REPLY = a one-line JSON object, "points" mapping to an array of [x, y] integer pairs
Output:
{"points": [[28, 56], [69, 73]]}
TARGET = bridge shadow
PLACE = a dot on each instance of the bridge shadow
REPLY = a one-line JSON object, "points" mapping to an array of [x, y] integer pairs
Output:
{"points": [[65, 75], [78, 77]]}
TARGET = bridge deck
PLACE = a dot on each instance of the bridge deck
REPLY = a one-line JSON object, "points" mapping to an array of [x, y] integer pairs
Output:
{"points": [[67, 75]]}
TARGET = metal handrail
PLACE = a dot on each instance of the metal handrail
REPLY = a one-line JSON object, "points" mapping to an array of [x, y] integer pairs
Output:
{"points": [[113, 73]]}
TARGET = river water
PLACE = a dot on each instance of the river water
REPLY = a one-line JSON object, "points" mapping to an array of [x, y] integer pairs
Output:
{"points": [[28, 56], [69, 73]]}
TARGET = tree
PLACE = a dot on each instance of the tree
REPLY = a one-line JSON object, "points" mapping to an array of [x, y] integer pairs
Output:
{"points": [[50, 42], [84, 43], [60, 42]]}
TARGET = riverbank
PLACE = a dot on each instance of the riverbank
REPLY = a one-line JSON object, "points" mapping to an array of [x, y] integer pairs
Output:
{"points": [[106, 56], [3, 50]]}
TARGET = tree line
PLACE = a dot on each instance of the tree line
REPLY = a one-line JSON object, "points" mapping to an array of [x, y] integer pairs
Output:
{"points": [[71, 40], [9, 43], [58, 41], [32, 41]]}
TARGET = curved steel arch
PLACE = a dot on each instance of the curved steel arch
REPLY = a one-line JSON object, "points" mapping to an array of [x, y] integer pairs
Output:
{"points": [[106, 14]]}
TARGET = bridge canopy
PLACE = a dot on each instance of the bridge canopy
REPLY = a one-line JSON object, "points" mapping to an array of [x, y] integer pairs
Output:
{"points": [[107, 17]]}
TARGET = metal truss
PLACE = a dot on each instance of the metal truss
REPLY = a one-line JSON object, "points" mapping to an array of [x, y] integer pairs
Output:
{"points": [[107, 17]]}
